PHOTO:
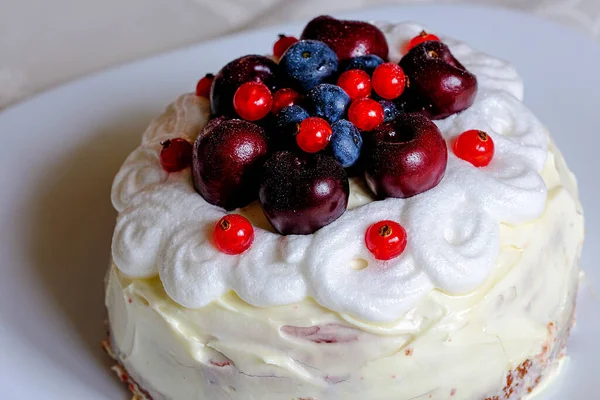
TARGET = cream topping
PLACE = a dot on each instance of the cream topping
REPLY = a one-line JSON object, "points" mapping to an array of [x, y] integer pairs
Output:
{"points": [[458, 347], [164, 227]]}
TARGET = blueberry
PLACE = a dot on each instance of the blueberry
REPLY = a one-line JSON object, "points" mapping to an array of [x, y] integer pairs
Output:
{"points": [[308, 63], [346, 142], [290, 115], [327, 101], [390, 110], [367, 63], [286, 126]]}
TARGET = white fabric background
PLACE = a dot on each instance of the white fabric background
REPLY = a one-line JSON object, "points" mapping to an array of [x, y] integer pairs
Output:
{"points": [[47, 42]]}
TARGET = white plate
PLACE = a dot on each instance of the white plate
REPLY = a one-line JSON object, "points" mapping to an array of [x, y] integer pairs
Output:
{"points": [[60, 151]]}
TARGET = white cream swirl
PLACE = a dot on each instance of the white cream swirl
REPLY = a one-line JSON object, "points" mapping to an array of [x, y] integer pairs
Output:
{"points": [[165, 227]]}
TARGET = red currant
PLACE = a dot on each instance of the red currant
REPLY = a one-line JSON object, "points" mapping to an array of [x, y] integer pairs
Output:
{"points": [[282, 44], [176, 154], [252, 101], [356, 83], [474, 146], [314, 134], [365, 114], [204, 84], [422, 37], [385, 239], [283, 98], [389, 80], [233, 234]]}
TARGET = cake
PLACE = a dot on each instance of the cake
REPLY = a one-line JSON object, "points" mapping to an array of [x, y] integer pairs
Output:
{"points": [[409, 232]]}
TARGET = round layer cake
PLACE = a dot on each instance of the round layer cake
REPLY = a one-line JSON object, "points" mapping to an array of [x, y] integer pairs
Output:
{"points": [[477, 306]]}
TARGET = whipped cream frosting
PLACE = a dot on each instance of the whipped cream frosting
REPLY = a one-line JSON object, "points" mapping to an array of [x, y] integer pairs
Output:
{"points": [[164, 227], [497, 342]]}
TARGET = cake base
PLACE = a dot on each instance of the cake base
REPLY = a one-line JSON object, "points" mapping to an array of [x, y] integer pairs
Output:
{"points": [[522, 383], [136, 390]]}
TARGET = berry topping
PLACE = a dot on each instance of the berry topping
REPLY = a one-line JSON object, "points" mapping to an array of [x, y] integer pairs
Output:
{"points": [[390, 110], [327, 101], [389, 80], [252, 101], [366, 114], [282, 44], [366, 63], [283, 98], [474, 146], [385, 239], [439, 85], [422, 37], [176, 154], [203, 86], [227, 160], [313, 135], [356, 83], [287, 123], [250, 68], [347, 38], [346, 142], [233, 234], [307, 63], [407, 156], [301, 193]]}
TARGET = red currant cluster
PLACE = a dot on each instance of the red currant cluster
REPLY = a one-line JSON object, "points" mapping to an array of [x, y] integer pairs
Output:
{"points": [[253, 101]]}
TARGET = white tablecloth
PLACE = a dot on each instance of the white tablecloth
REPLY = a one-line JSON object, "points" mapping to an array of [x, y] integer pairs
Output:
{"points": [[47, 42]]}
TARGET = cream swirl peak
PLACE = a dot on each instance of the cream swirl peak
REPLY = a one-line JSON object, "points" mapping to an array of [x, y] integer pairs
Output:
{"points": [[164, 227]]}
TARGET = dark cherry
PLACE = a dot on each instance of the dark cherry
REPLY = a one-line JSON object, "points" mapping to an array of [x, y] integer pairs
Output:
{"points": [[347, 38], [301, 193], [407, 156], [251, 68], [227, 160], [439, 85]]}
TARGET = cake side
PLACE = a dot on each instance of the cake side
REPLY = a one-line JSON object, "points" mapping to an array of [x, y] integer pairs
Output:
{"points": [[510, 331]]}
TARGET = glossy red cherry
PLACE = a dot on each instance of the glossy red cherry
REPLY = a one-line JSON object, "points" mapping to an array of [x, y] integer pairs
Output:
{"points": [[314, 134], [385, 239], [405, 157], [348, 39], [301, 193], [389, 80], [176, 154], [474, 146], [203, 86], [252, 101], [233, 234], [422, 37], [283, 98], [356, 83], [282, 44], [365, 114], [439, 84], [227, 161]]}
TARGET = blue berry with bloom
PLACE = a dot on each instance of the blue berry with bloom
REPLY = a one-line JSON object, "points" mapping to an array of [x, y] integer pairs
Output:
{"points": [[366, 63], [327, 101], [290, 115], [308, 63], [346, 142], [286, 126], [390, 110]]}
